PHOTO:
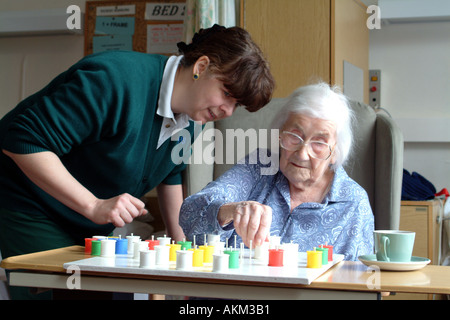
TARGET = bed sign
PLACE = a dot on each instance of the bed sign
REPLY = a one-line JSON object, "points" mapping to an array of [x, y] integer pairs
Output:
{"points": [[165, 11]]}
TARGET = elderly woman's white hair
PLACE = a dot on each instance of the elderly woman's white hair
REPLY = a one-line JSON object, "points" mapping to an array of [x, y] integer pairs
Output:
{"points": [[323, 102]]}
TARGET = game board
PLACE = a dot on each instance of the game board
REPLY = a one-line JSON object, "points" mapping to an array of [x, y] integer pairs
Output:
{"points": [[250, 269]]}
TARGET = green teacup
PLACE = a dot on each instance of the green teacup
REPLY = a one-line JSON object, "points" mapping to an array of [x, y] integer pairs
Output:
{"points": [[394, 245]]}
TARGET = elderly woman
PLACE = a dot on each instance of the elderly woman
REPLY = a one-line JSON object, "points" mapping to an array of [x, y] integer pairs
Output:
{"points": [[310, 200]]}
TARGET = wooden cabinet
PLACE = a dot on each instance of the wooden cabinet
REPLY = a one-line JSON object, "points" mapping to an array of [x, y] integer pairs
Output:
{"points": [[308, 40], [422, 217]]}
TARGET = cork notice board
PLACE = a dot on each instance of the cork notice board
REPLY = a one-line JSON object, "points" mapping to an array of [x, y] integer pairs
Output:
{"points": [[152, 26]]}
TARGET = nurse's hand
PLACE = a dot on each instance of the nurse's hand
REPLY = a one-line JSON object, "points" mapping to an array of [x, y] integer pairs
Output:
{"points": [[47, 171], [119, 210], [251, 220]]}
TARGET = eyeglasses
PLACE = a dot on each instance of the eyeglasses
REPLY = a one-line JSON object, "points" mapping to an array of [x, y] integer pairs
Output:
{"points": [[316, 149]]}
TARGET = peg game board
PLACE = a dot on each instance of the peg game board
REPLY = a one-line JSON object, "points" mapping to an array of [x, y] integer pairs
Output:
{"points": [[249, 269]]}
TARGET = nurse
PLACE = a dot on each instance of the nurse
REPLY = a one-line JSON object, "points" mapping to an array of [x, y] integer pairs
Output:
{"points": [[78, 155]]}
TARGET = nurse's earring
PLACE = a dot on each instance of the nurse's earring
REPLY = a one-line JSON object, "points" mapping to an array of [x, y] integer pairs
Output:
{"points": [[196, 76]]}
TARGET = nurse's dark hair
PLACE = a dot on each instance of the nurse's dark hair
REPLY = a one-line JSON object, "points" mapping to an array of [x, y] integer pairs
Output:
{"points": [[236, 61]]}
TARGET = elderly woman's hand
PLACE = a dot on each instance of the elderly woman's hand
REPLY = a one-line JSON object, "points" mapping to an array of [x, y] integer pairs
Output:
{"points": [[251, 220]]}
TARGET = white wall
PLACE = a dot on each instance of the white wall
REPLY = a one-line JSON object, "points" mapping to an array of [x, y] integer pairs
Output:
{"points": [[414, 59], [28, 63]]}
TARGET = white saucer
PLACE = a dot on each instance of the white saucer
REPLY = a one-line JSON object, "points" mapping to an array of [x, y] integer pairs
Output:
{"points": [[416, 263]]}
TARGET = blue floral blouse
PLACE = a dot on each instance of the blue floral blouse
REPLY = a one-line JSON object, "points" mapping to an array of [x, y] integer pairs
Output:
{"points": [[344, 219]]}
